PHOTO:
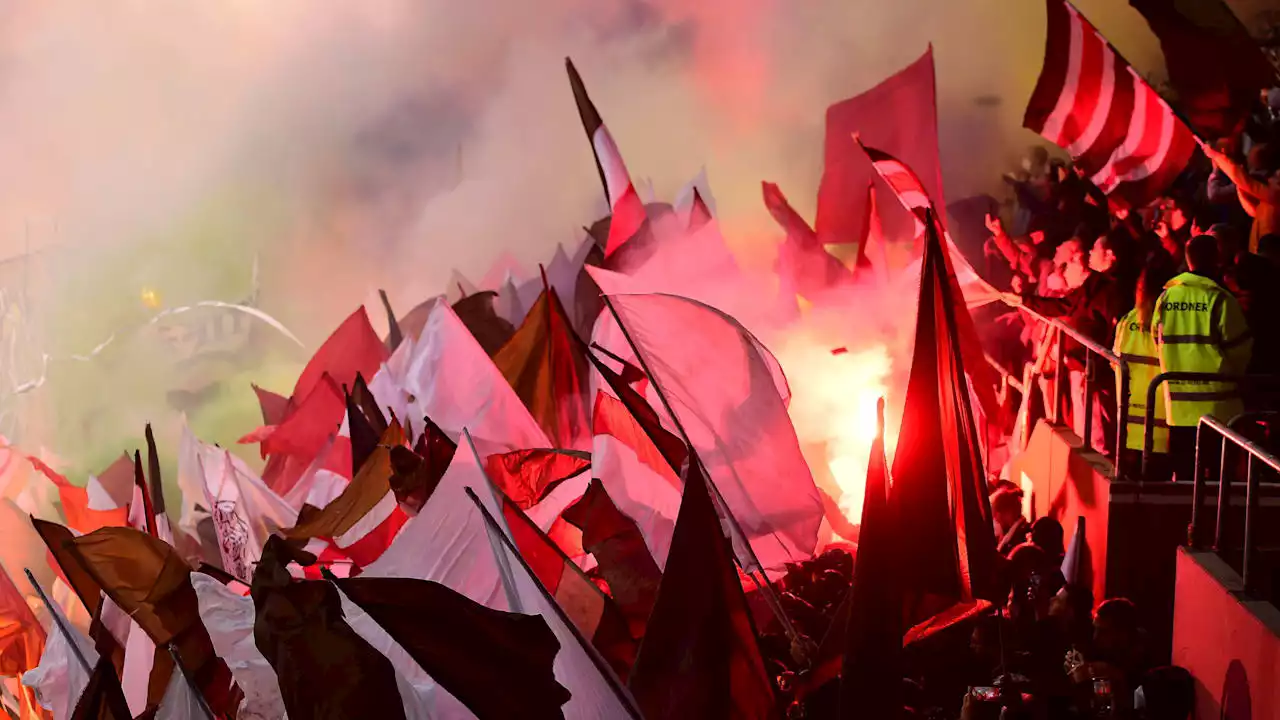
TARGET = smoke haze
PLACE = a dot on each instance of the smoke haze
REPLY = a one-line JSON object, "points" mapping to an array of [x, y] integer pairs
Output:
{"points": [[352, 146]]}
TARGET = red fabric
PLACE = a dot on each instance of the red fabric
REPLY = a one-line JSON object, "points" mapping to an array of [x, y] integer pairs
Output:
{"points": [[526, 476], [542, 556], [312, 422], [75, 504], [369, 548], [353, 348], [274, 407], [283, 472], [899, 116], [804, 266], [939, 483], [628, 217], [1089, 102]]}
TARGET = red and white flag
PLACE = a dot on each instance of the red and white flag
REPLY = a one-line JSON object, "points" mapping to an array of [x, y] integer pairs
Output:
{"points": [[624, 201], [1091, 103]]}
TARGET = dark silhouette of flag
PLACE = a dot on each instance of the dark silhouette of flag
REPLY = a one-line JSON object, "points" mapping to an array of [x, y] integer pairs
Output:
{"points": [[364, 438], [939, 482], [394, 334], [325, 669], [416, 473], [477, 313], [622, 557], [498, 664], [804, 265], [699, 657], [102, 698], [872, 667], [1217, 68]]}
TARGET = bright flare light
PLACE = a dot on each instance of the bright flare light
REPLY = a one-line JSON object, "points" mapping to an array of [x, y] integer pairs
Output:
{"points": [[833, 403]]}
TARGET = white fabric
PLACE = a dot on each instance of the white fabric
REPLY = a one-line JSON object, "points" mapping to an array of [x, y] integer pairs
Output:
{"points": [[135, 676], [725, 391], [684, 199], [423, 699], [179, 701], [318, 486], [99, 497], [59, 680], [454, 383], [387, 385], [190, 482], [649, 496], [229, 619], [245, 511], [592, 696], [445, 543]]}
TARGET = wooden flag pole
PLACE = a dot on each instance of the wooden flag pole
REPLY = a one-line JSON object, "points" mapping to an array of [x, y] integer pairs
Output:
{"points": [[610, 677], [57, 618], [770, 592], [179, 667]]}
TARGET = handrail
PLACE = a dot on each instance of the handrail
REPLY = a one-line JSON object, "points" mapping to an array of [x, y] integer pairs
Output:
{"points": [[1094, 348], [1251, 497], [1148, 423]]}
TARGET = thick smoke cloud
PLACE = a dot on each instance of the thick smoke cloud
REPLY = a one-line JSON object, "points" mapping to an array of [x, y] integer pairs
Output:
{"points": [[352, 146]]}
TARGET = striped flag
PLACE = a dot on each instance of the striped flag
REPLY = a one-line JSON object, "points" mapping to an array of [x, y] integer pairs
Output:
{"points": [[624, 202], [903, 180], [1091, 103]]}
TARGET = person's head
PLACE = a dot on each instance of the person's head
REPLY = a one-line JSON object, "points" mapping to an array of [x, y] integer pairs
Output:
{"points": [[1116, 630], [1202, 255], [1102, 256], [1034, 577], [1047, 535], [1006, 506], [1151, 281], [1070, 257], [1178, 214], [1204, 220], [1166, 693], [1036, 159], [1230, 242]]}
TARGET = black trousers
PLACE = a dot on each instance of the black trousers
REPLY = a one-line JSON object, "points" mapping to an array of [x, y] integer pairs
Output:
{"points": [[1182, 454]]}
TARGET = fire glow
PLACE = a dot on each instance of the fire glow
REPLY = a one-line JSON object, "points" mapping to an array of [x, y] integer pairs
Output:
{"points": [[833, 407]]}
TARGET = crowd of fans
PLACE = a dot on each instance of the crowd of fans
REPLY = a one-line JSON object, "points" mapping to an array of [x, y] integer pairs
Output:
{"points": [[1188, 284], [1047, 652]]}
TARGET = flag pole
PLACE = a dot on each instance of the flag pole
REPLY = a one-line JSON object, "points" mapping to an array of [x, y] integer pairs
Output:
{"points": [[179, 667], [770, 593], [57, 618], [504, 566], [603, 667]]}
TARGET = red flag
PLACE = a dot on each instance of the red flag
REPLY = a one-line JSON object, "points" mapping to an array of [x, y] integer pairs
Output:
{"points": [[75, 503], [316, 417], [1216, 95], [21, 643], [911, 194], [274, 407], [938, 478], [804, 265], [547, 367], [699, 213], [699, 657], [899, 115], [353, 348], [1091, 103], [628, 211], [526, 476], [595, 614]]}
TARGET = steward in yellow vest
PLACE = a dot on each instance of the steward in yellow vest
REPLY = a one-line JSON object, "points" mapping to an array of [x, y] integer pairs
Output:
{"points": [[1199, 327], [1136, 347]]}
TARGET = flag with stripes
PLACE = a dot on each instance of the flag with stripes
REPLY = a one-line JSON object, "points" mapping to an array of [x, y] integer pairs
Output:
{"points": [[1091, 103], [904, 182], [624, 202]]}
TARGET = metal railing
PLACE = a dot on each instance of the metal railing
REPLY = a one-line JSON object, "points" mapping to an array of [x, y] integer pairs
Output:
{"points": [[1252, 492], [1060, 372], [1148, 421]]}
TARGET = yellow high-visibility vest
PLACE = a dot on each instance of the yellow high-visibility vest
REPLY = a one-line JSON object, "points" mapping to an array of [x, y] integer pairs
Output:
{"points": [[1136, 346], [1199, 327]]}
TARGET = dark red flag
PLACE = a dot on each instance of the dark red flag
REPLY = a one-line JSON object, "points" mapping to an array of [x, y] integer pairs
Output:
{"points": [[939, 482], [699, 657], [415, 473], [622, 558], [526, 476], [872, 672], [1217, 68], [804, 265]]}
